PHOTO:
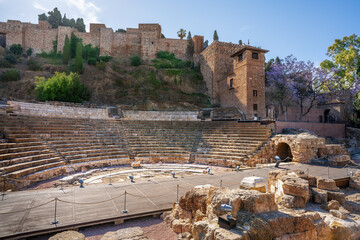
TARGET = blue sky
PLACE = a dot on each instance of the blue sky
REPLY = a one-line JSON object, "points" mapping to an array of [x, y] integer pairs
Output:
{"points": [[302, 28]]}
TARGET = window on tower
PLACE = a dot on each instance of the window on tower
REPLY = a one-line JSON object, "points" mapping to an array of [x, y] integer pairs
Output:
{"points": [[255, 107], [231, 83], [240, 57], [255, 55], [255, 93]]}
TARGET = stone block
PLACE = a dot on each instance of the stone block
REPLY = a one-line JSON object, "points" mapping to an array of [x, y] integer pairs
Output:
{"points": [[296, 187], [338, 196], [290, 201], [68, 235], [339, 213], [327, 184], [319, 195]]}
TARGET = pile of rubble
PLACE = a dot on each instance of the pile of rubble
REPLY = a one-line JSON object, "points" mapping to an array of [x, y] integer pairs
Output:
{"points": [[296, 206]]}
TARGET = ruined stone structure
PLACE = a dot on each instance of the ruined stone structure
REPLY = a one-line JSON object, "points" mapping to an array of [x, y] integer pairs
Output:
{"points": [[145, 41], [234, 74]]}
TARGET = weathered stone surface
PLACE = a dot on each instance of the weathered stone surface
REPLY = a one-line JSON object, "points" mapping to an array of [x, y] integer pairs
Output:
{"points": [[323, 230], [339, 213], [184, 236], [290, 201], [258, 227], [338, 196], [339, 232], [354, 182], [134, 233], [319, 195], [333, 205], [327, 184], [295, 186], [194, 199], [223, 234], [73, 235]]}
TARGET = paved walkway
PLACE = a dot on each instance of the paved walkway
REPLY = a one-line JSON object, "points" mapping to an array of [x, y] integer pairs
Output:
{"points": [[33, 210]]}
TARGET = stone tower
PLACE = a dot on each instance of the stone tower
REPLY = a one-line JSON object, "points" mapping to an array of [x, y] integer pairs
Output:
{"points": [[246, 84]]}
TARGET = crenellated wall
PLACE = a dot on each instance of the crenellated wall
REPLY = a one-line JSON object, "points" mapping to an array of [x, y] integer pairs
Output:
{"points": [[145, 41]]}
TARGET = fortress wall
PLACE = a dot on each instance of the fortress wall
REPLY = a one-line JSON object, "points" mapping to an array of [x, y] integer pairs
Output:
{"points": [[92, 38], [176, 46], [14, 33], [62, 32], [126, 44], [106, 40], [39, 39]]}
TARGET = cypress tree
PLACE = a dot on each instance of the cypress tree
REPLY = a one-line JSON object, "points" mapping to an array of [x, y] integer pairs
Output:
{"points": [[216, 37], [79, 58], [190, 46], [73, 44], [66, 50]]}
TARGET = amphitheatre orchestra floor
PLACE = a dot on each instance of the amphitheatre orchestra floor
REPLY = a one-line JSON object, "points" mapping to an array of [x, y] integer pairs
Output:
{"points": [[29, 211]]}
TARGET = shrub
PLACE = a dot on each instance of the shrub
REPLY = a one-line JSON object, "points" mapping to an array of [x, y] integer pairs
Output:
{"points": [[10, 75], [73, 44], [4, 63], [61, 87], [165, 55], [29, 52], [135, 60], [10, 58], [91, 61], [51, 55], [101, 65], [33, 65], [105, 58], [16, 49], [79, 59]]}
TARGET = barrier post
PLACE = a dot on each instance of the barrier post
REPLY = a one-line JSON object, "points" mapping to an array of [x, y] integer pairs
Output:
{"points": [[4, 189], [307, 171], [220, 182], [110, 178], [55, 221], [125, 211], [328, 172], [177, 194]]}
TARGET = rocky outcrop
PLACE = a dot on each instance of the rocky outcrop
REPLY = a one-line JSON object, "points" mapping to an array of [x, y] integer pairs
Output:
{"points": [[73, 235], [134, 233]]}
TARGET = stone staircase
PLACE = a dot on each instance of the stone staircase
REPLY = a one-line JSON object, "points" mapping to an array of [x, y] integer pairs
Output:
{"points": [[165, 141], [228, 143]]}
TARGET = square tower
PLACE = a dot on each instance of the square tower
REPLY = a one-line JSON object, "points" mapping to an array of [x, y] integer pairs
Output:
{"points": [[247, 82]]}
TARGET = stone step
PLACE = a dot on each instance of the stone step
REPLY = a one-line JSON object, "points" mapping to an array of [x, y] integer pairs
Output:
{"points": [[27, 159], [23, 172], [23, 165], [94, 154], [92, 159], [7, 156]]}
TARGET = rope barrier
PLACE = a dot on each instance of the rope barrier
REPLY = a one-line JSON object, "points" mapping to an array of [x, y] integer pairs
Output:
{"points": [[134, 195], [84, 203], [30, 207]]}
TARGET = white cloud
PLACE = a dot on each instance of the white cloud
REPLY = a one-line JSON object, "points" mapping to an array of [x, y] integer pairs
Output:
{"points": [[88, 9], [40, 7]]}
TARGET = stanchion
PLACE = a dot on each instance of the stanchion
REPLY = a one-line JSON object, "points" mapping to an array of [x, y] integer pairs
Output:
{"points": [[125, 211], [328, 172], [4, 189], [110, 178], [55, 221], [177, 194], [307, 171], [220, 182]]}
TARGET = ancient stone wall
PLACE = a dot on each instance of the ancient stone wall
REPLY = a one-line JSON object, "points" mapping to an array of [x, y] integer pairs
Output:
{"points": [[46, 110], [145, 41], [161, 115], [321, 129]]}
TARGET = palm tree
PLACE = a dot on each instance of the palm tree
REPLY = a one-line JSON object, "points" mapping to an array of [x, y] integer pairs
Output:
{"points": [[181, 33]]}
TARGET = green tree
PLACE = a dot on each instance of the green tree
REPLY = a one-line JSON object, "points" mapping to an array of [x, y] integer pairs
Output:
{"points": [[65, 21], [135, 60], [61, 87], [206, 44], [73, 44], [181, 33], [80, 26], [240, 42], [42, 17], [16, 49], [55, 18], [190, 45], [66, 50], [344, 56], [79, 59], [215, 37], [29, 52], [121, 30], [163, 36]]}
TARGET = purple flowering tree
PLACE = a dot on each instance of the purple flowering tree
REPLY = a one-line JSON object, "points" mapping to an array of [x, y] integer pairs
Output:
{"points": [[293, 82]]}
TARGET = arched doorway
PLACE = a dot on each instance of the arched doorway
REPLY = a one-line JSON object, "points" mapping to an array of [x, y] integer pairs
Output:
{"points": [[283, 150]]}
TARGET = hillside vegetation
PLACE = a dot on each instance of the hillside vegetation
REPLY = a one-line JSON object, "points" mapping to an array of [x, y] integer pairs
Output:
{"points": [[164, 83]]}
